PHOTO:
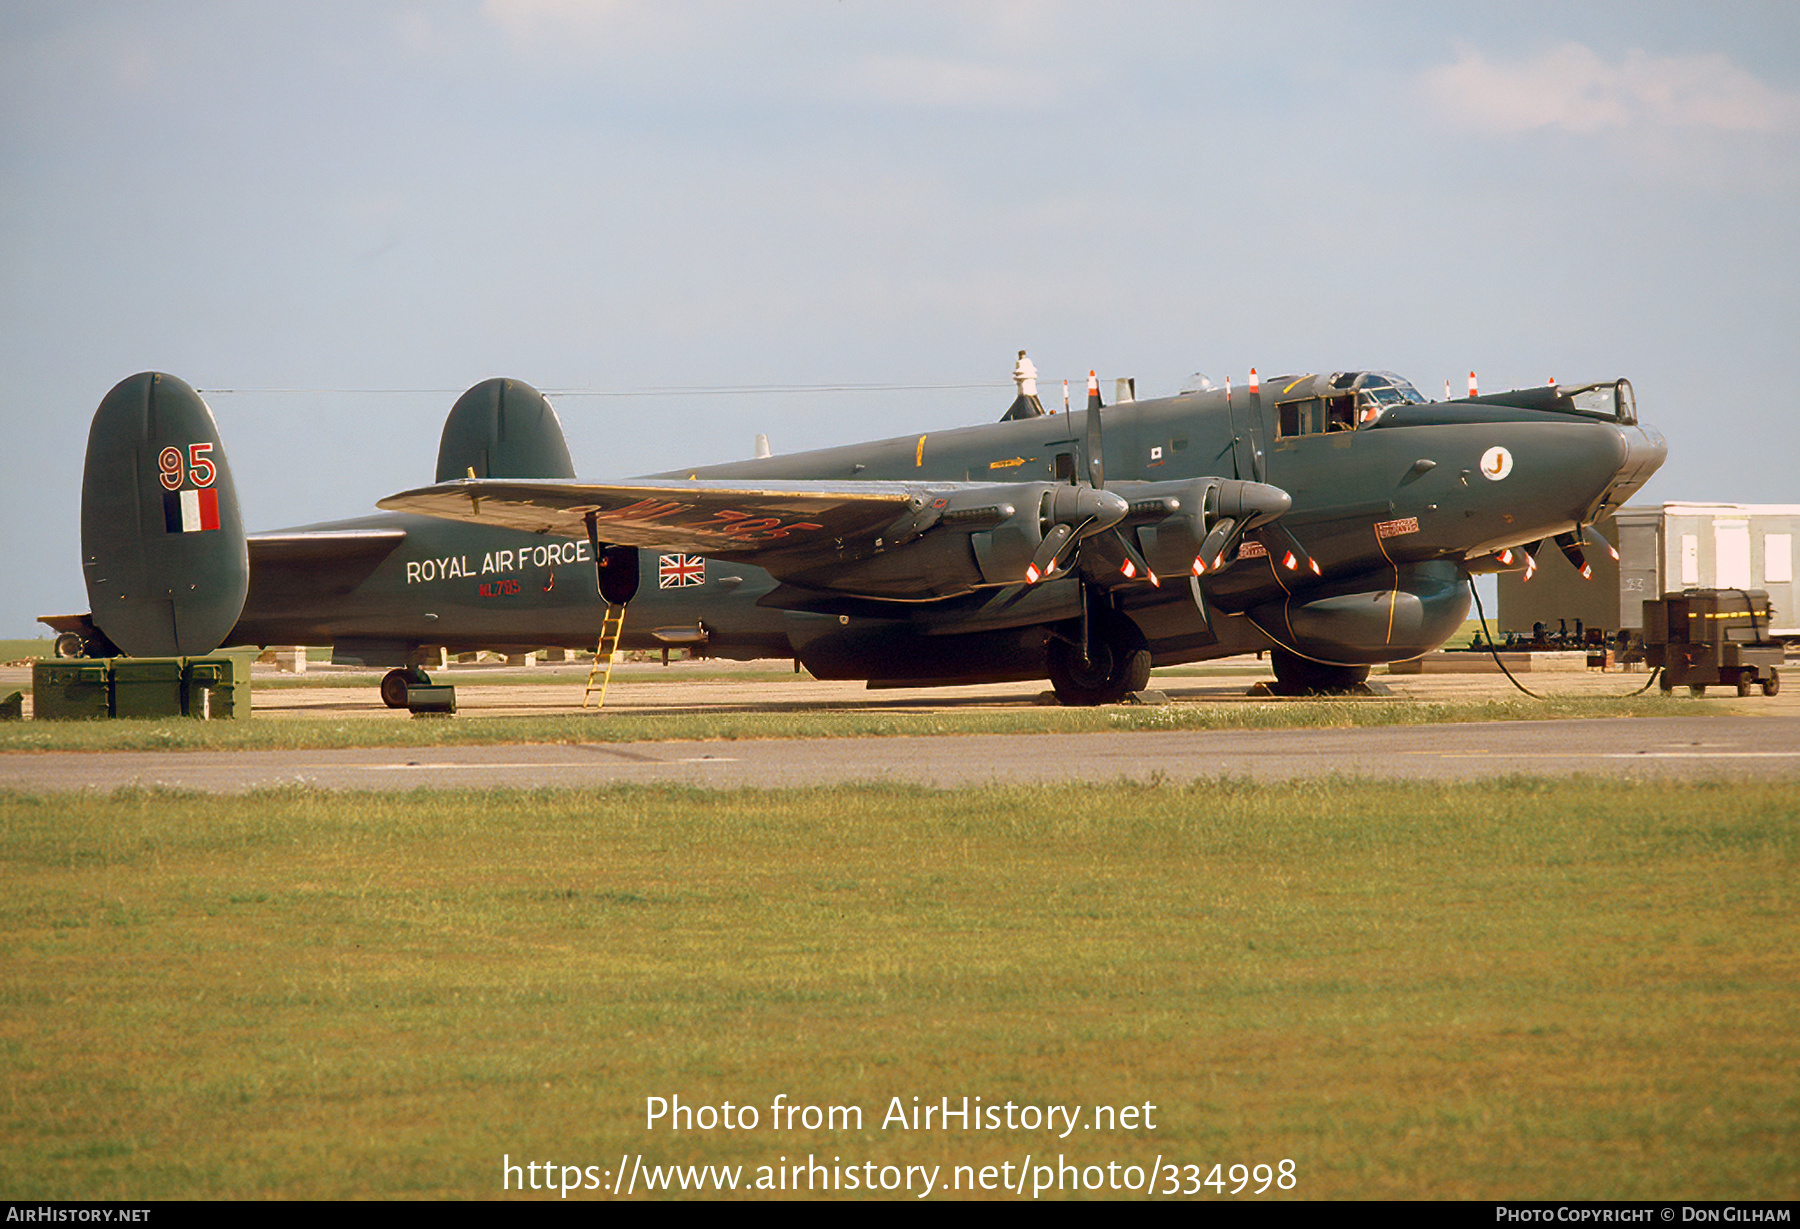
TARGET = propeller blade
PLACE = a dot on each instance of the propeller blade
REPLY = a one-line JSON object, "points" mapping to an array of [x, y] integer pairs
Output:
{"points": [[1212, 550], [1115, 557], [1044, 562], [1588, 535], [1096, 451], [1531, 554], [1571, 548], [1294, 557]]}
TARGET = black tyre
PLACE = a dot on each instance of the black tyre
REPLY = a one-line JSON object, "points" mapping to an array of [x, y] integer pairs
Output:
{"points": [[1744, 683], [1297, 676], [1772, 684], [393, 688], [1117, 662]]}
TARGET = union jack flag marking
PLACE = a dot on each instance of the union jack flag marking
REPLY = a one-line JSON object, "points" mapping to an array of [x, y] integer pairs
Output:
{"points": [[680, 571]]}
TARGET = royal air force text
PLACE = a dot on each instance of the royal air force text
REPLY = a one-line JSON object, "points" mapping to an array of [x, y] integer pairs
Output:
{"points": [[498, 562]]}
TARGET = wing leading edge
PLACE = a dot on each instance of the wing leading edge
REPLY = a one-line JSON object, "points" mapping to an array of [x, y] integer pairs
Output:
{"points": [[722, 519]]}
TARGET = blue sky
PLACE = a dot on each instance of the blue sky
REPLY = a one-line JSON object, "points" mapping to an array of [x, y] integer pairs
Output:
{"points": [[380, 204]]}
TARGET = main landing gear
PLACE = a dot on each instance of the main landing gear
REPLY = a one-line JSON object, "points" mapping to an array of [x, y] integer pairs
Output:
{"points": [[1298, 676], [1117, 661], [395, 682]]}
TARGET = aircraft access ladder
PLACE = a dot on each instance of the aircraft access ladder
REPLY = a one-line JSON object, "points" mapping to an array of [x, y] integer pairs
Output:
{"points": [[611, 628]]}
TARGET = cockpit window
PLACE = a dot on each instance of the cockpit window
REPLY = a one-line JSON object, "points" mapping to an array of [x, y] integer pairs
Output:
{"points": [[1387, 382], [1610, 400], [1350, 399]]}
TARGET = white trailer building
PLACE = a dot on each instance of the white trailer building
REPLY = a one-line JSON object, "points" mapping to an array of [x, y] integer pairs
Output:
{"points": [[1710, 546]]}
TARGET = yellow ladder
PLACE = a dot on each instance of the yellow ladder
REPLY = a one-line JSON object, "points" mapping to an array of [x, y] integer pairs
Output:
{"points": [[611, 628]]}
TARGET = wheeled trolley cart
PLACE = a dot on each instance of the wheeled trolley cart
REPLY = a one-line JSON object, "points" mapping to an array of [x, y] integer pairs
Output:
{"points": [[1713, 637]]}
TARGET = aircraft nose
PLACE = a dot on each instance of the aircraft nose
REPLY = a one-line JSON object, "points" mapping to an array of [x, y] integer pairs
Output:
{"points": [[1645, 451]]}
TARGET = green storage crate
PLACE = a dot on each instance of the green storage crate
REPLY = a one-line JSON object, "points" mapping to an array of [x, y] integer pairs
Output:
{"points": [[217, 688], [70, 690], [431, 699], [147, 686]]}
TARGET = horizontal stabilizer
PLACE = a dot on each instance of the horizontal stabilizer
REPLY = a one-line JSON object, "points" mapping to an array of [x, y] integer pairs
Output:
{"points": [[324, 546]]}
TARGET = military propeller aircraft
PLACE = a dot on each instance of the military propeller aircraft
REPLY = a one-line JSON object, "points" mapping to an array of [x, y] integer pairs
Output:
{"points": [[1333, 520]]}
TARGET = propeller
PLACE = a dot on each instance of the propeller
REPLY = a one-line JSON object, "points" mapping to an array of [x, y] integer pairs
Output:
{"points": [[1573, 546], [1075, 513], [1236, 509], [1088, 525], [1078, 513]]}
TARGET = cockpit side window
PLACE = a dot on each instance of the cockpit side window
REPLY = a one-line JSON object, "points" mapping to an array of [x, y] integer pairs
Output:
{"points": [[1353, 399], [1296, 418]]}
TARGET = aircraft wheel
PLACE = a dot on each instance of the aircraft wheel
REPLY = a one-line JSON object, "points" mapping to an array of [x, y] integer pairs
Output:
{"points": [[393, 687], [1118, 663], [1772, 684], [1296, 676], [69, 645]]}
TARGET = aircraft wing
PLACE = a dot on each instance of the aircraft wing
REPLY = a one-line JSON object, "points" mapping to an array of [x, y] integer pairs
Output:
{"points": [[722, 519], [886, 540]]}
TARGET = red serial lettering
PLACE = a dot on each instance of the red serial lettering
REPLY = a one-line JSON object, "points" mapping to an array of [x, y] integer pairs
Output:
{"points": [[643, 510], [728, 523], [501, 588]]}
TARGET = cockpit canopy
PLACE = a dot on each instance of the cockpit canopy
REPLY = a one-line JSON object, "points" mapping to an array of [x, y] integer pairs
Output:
{"points": [[1341, 401]]}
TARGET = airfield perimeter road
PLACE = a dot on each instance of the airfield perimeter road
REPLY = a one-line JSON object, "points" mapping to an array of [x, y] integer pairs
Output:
{"points": [[1726, 738]]}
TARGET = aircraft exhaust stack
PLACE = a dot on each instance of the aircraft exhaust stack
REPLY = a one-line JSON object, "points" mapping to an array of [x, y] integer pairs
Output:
{"points": [[162, 541]]}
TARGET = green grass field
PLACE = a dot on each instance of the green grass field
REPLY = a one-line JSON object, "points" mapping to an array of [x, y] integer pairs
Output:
{"points": [[1516, 989]]}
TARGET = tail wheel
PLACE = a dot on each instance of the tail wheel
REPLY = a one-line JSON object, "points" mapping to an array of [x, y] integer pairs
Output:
{"points": [[1298, 676], [393, 688], [1117, 662]]}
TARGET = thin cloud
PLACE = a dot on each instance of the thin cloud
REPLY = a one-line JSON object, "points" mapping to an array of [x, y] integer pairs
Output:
{"points": [[927, 82], [581, 28], [1572, 88]]}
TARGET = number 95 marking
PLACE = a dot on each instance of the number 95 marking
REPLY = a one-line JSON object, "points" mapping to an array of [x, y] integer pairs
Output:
{"points": [[199, 466]]}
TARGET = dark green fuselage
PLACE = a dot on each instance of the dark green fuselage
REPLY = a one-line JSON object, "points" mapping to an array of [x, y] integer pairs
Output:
{"points": [[1396, 510]]}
